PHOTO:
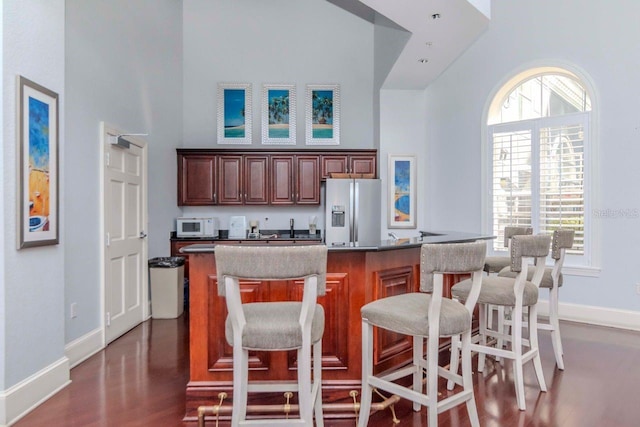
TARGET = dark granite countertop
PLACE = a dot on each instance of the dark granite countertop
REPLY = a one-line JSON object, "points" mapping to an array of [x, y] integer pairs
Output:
{"points": [[264, 235], [379, 245]]}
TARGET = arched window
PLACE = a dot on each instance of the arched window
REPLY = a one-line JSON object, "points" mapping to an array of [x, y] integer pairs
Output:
{"points": [[538, 138]]}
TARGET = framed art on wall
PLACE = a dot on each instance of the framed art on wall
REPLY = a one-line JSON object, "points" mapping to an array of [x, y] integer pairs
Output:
{"points": [[234, 113], [278, 114], [38, 117], [402, 191], [322, 108]]}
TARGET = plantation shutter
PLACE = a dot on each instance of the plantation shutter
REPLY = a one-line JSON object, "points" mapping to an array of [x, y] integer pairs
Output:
{"points": [[538, 176], [562, 202], [511, 180]]}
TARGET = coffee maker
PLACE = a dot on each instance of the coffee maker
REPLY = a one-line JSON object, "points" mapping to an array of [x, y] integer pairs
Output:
{"points": [[254, 230]]}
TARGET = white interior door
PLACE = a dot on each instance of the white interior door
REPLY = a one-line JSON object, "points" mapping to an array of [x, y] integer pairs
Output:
{"points": [[125, 243]]}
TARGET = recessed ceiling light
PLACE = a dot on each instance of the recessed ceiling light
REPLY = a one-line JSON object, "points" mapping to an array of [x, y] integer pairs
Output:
{"points": [[423, 60], [435, 16], [429, 44]]}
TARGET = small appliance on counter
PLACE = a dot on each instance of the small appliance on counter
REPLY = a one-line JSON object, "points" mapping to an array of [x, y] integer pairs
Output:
{"points": [[238, 227], [254, 230], [197, 227]]}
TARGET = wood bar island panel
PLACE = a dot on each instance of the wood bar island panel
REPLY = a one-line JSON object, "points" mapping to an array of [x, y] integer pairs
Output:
{"points": [[355, 276]]}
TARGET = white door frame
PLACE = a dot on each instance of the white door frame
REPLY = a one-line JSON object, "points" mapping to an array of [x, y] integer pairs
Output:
{"points": [[108, 135]]}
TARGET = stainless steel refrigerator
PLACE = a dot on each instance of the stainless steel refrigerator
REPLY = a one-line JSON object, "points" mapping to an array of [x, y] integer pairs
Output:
{"points": [[352, 212]]}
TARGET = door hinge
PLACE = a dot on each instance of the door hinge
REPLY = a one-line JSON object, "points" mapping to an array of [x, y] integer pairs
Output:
{"points": [[108, 240], [108, 318], [107, 159]]}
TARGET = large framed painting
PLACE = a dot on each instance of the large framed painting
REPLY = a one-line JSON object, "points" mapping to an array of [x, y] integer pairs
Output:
{"points": [[279, 114], [37, 112], [322, 121], [234, 113], [402, 191]]}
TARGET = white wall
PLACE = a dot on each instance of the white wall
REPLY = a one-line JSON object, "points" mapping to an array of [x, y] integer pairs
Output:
{"points": [[32, 285], [280, 41], [2, 186], [124, 67], [403, 131], [597, 37]]}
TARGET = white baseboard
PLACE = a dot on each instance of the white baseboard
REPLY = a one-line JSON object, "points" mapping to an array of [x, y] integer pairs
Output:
{"points": [[22, 398], [81, 349], [602, 316]]}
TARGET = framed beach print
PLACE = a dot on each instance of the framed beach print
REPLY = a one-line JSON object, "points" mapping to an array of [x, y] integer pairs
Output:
{"points": [[38, 165], [278, 114], [234, 113], [402, 191], [322, 121]]}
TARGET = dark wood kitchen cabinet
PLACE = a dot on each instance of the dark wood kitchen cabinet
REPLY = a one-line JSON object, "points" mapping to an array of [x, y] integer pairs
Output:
{"points": [[263, 177], [295, 180], [256, 180], [363, 162], [197, 179], [230, 180]]}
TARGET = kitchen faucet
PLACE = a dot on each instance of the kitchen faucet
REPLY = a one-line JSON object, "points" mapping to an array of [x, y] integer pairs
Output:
{"points": [[291, 233]]}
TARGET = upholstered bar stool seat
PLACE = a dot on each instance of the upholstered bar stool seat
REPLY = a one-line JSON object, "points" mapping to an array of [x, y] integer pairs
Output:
{"points": [[547, 279], [497, 291], [275, 326], [494, 264], [413, 318]]}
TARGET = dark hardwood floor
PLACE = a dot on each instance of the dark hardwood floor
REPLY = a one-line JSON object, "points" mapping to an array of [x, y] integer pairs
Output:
{"points": [[139, 380]]}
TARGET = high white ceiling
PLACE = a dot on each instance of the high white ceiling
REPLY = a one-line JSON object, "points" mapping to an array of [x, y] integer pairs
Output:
{"points": [[440, 30]]}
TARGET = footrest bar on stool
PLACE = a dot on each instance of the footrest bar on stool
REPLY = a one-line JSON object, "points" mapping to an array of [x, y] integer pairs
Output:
{"points": [[220, 409]]}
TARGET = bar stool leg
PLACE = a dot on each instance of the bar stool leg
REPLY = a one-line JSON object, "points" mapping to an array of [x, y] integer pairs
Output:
{"points": [[467, 378], [556, 340], [317, 382], [533, 341], [367, 371], [240, 384]]}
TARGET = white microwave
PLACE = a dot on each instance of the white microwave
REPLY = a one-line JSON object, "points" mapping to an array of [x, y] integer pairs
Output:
{"points": [[197, 227]]}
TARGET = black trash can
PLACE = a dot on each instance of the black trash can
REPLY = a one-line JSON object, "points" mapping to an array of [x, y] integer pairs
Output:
{"points": [[166, 275]]}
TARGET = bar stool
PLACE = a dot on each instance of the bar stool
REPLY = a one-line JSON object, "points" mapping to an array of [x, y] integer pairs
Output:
{"points": [[275, 326], [426, 315], [495, 264], [515, 293], [551, 280]]}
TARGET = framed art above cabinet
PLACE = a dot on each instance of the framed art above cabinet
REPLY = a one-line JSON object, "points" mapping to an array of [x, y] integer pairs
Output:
{"points": [[234, 113], [279, 114]]}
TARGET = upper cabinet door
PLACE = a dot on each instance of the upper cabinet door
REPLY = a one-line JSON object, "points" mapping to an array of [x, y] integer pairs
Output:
{"points": [[282, 180], [333, 164], [230, 180], [256, 180], [196, 179], [362, 164], [307, 180]]}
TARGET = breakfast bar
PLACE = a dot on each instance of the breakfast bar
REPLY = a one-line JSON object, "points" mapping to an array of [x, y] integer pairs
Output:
{"points": [[355, 276]]}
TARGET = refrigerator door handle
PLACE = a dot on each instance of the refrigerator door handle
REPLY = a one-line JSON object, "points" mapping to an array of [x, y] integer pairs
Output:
{"points": [[351, 213], [356, 212]]}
